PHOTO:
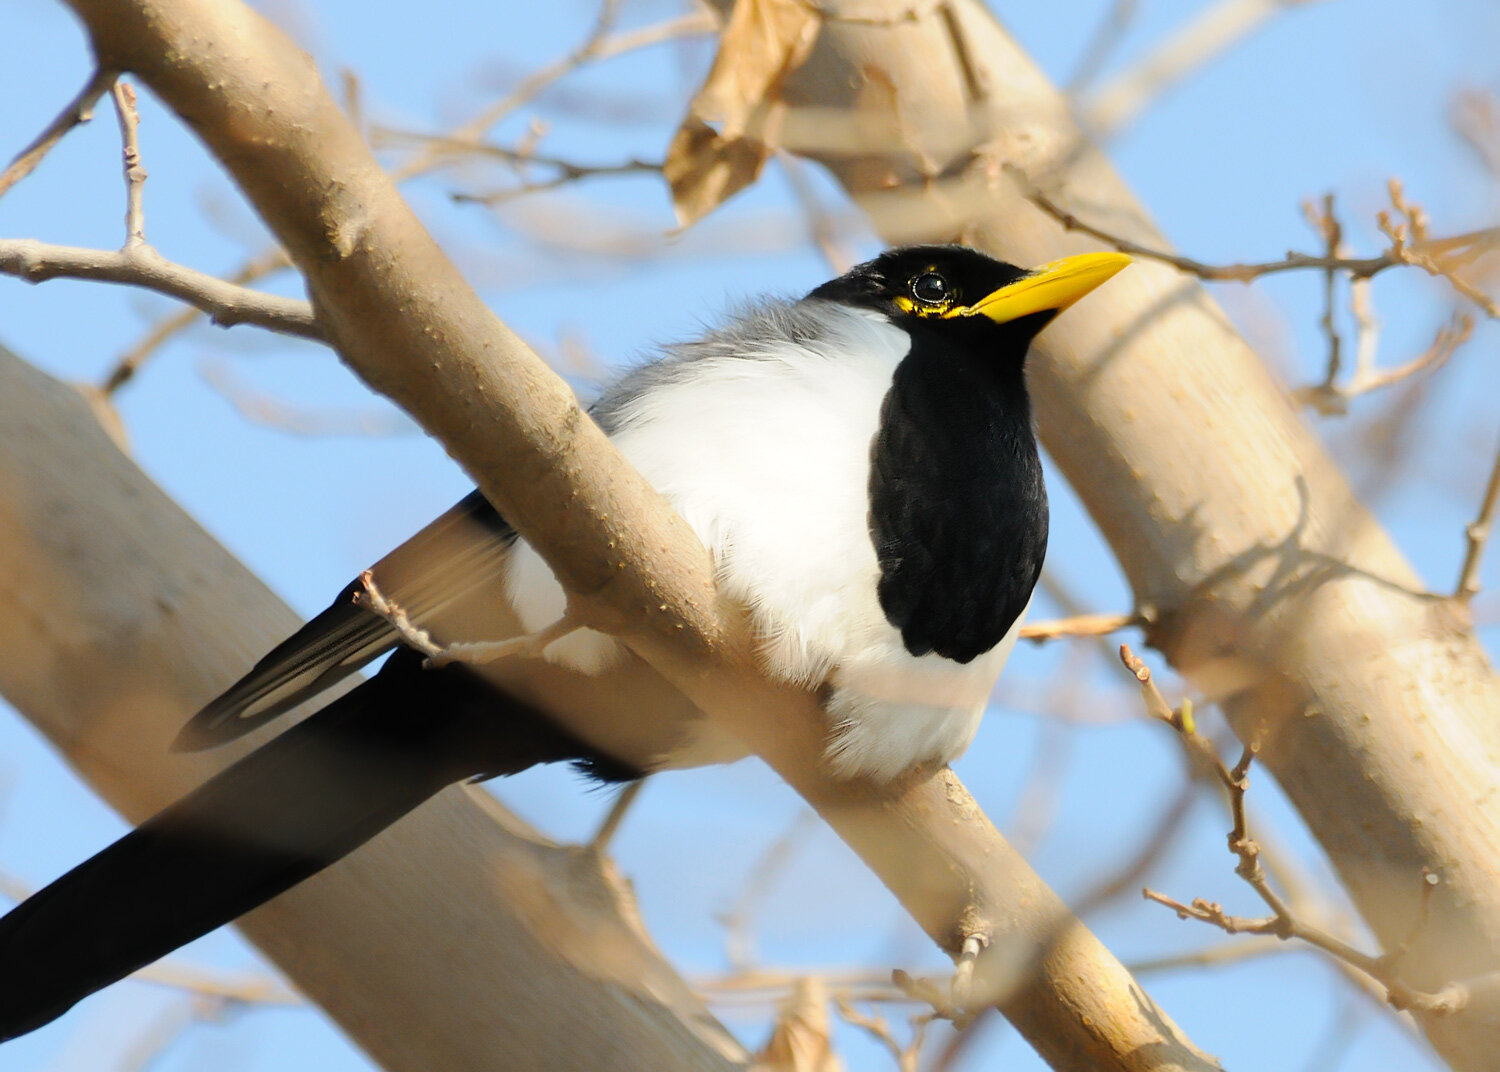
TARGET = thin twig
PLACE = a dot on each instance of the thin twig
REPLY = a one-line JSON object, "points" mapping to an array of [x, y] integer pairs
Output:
{"points": [[1213, 956], [1477, 533], [598, 45], [162, 1031], [1411, 244], [567, 174], [1420, 253], [1282, 923], [527, 646], [822, 225], [79, 110], [260, 408], [876, 1027], [616, 815], [1082, 625], [1332, 399], [1101, 46], [1327, 224], [141, 266], [1475, 117], [135, 174], [739, 920], [129, 363], [241, 989], [1210, 33], [1153, 849]]}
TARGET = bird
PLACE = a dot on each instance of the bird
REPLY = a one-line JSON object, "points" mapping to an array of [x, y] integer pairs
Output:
{"points": [[862, 467]]}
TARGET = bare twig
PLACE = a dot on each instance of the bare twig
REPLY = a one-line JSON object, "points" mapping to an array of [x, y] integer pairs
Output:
{"points": [[78, 110], [1214, 955], [876, 1027], [240, 989], [528, 646], [1476, 118], [1478, 534], [599, 44], [135, 174], [1326, 223], [739, 920], [771, 986], [822, 226], [162, 1031], [566, 173], [616, 815], [1282, 923], [141, 266], [1422, 253], [1332, 399], [1411, 244], [1170, 824], [260, 408], [1082, 625], [129, 363], [1207, 36], [1101, 45]]}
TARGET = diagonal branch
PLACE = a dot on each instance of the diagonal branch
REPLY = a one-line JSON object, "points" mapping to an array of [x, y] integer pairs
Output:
{"points": [[78, 110]]}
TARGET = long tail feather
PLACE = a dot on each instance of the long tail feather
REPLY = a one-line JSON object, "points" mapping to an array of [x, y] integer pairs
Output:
{"points": [[281, 814]]}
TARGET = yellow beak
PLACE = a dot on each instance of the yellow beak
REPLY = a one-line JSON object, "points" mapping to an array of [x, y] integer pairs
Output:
{"points": [[1051, 288]]}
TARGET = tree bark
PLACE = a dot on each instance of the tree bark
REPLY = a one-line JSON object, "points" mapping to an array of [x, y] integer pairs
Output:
{"points": [[459, 939], [403, 318], [1270, 587]]}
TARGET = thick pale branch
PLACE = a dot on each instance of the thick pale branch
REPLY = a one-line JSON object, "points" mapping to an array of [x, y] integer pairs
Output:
{"points": [[123, 616], [1272, 587]]}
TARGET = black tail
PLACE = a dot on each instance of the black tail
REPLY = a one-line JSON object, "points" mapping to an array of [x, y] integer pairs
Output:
{"points": [[285, 812]]}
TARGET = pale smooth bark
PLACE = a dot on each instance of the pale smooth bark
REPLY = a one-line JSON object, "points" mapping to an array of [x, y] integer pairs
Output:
{"points": [[401, 315], [1270, 586], [458, 939]]}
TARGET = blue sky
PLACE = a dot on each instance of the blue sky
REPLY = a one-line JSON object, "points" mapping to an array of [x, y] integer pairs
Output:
{"points": [[1333, 95]]}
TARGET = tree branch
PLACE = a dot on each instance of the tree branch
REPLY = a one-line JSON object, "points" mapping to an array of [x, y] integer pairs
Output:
{"points": [[78, 110], [124, 616], [141, 266], [1274, 589]]}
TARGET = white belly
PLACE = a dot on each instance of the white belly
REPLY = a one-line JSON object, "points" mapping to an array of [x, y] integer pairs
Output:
{"points": [[768, 460]]}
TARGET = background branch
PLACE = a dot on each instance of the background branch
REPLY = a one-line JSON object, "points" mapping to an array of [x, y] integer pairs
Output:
{"points": [[1274, 589]]}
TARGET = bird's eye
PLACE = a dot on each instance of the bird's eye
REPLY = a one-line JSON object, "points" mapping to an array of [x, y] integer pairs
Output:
{"points": [[929, 288]]}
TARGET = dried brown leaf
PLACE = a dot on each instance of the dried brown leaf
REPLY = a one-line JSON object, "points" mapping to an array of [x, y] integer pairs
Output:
{"points": [[733, 119], [800, 1041]]}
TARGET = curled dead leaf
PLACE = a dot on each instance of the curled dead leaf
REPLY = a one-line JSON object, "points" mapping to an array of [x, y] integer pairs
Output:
{"points": [[732, 122], [800, 1041]]}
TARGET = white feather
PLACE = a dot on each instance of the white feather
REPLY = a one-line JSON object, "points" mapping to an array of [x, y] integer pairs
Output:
{"points": [[761, 439]]}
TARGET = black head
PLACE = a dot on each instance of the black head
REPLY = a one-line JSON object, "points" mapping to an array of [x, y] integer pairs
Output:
{"points": [[960, 291]]}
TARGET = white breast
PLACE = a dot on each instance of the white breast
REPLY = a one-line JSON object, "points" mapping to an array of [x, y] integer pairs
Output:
{"points": [[767, 455]]}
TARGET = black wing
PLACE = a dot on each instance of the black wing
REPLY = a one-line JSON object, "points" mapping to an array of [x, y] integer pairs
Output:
{"points": [[464, 549]]}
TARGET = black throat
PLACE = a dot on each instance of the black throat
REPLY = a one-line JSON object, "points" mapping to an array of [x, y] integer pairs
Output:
{"points": [[958, 509]]}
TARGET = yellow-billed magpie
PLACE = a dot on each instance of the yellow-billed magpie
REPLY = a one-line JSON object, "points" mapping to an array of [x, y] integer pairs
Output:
{"points": [[861, 466]]}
